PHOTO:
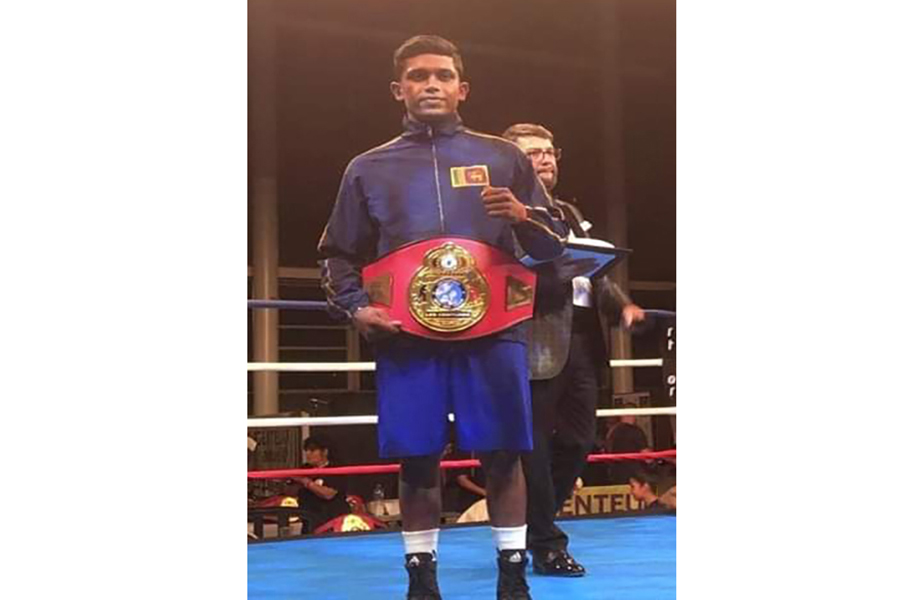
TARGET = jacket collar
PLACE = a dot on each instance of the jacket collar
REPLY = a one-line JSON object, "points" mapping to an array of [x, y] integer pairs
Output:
{"points": [[417, 128]]}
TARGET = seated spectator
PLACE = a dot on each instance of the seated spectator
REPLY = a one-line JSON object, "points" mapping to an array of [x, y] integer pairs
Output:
{"points": [[462, 487], [646, 486], [322, 498], [622, 438]]}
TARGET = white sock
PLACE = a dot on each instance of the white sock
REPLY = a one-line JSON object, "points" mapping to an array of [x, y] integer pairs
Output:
{"points": [[510, 538], [421, 541]]}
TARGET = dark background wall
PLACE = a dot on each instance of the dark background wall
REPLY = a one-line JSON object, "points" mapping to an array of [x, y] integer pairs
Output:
{"points": [[526, 61]]}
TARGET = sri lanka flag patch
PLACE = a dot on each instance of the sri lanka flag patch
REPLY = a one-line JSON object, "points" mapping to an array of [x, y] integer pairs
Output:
{"points": [[476, 175]]}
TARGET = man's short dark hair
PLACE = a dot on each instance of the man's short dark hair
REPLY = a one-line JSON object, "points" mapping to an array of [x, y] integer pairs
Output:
{"points": [[644, 475], [315, 442], [426, 44], [514, 132]]}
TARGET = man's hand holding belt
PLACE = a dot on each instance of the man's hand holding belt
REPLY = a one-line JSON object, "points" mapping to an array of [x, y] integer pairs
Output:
{"points": [[375, 323]]}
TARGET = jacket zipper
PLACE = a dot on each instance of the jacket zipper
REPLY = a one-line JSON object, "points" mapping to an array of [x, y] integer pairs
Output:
{"points": [[437, 180]]}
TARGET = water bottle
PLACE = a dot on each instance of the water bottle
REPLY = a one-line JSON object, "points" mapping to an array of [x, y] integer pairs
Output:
{"points": [[378, 500], [378, 493]]}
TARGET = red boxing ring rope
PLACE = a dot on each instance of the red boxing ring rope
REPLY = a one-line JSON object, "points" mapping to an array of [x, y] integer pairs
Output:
{"points": [[445, 464]]}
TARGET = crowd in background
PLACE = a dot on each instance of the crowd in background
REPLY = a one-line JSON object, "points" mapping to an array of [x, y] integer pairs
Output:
{"points": [[322, 501]]}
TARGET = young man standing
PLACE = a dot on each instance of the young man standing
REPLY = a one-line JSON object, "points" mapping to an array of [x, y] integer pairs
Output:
{"points": [[440, 179]]}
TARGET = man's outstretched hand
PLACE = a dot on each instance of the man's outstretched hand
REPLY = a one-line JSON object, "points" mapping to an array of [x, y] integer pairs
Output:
{"points": [[632, 314]]}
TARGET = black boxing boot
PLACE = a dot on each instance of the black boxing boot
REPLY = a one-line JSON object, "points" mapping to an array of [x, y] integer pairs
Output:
{"points": [[511, 583], [422, 570]]}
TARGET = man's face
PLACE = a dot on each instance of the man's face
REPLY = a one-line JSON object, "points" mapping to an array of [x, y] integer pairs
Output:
{"points": [[430, 87], [317, 456], [640, 491], [543, 158]]}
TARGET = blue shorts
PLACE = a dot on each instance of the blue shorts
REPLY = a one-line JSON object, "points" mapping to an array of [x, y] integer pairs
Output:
{"points": [[484, 382]]}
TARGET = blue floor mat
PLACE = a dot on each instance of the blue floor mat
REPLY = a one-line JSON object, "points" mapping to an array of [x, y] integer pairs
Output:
{"points": [[629, 558]]}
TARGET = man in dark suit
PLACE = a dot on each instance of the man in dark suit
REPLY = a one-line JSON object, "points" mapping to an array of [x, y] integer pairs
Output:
{"points": [[568, 358]]}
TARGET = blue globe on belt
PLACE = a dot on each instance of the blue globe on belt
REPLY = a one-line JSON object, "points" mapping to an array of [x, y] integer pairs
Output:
{"points": [[449, 293]]}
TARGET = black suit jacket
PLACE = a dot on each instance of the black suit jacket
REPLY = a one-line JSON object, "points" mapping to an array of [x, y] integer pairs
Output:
{"points": [[550, 331]]}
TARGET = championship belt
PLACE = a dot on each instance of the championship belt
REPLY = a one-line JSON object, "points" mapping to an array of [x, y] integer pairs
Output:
{"points": [[451, 288]]}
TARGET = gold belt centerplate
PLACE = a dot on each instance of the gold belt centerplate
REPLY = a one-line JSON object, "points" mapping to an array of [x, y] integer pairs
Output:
{"points": [[448, 293]]}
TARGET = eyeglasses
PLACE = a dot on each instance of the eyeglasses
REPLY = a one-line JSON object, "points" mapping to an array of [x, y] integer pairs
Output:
{"points": [[539, 153]]}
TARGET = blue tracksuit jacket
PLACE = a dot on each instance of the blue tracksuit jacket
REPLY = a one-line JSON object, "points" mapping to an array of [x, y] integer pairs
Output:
{"points": [[402, 192]]}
